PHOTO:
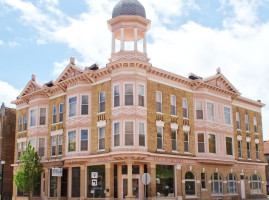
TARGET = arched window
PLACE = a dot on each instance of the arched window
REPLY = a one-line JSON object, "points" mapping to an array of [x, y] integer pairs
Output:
{"points": [[231, 184], [216, 184], [255, 184], [190, 184]]}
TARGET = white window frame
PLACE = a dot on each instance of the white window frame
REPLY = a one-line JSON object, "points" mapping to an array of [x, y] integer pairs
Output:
{"points": [[183, 107], [259, 182], [234, 182], [32, 139], [80, 140], [247, 123], [124, 94], [161, 128], [188, 142], [232, 146], [99, 102], [101, 138], [202, 103], [257, 151], [237, 119], [144, 96], [67, 142], [161, 102], [255, 125], [54, 108], [220, 182], [60, 144], [145, 138], [35, 120], [239, 149], [201, 143], [176, 150], [249, 151], [20, 123], [116, 85], [173, 98], [125, 132], [215, 143], [76, 111], [46, 112], [45, 144], [53, 145], [230, 118], [25, 122], [113, 138], [207, 111], [81, 104], [60, 121]]}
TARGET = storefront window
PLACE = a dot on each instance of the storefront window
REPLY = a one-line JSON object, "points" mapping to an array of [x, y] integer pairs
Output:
{"points": [[64, 180], [190, 183], [99, 190], [53, 185], [255, 184], [165, 181], [76, 182], [216, 184]]}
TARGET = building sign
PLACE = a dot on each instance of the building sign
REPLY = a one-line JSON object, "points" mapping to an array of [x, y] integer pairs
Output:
{"points": [[94, 182], [94, 174], [57, 171]]}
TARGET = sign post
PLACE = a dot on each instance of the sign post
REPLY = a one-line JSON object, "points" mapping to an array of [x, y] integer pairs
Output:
{"points": [[146, 180]]}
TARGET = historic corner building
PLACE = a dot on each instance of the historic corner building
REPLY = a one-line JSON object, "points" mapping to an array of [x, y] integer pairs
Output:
{"points": [[197, 138]]}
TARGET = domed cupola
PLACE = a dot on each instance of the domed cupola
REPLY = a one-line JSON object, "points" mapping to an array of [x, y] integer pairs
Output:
{"points": [[129, 27], [129, 7]]}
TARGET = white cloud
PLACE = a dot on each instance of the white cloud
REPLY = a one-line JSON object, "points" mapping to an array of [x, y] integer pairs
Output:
{"points": [[59, 67], [13, 44], [8, 28], [1, 42], [8, 93]]}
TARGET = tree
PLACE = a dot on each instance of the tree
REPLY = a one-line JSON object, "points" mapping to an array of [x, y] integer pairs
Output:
{"points": [[27, 177]]}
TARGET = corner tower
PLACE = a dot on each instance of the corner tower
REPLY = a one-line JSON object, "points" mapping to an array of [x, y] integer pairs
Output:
{"points": [[129, 27]]}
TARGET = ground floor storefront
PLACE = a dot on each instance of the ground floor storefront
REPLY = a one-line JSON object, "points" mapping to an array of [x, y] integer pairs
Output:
{"points": [[120, 177]]}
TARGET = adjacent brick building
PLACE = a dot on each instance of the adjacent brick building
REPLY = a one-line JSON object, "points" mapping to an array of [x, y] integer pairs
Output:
{"points": [[7, 141], [197, 138]]}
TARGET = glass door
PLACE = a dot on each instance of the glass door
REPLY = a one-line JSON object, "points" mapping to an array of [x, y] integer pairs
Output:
{"points": [[135, 187]]}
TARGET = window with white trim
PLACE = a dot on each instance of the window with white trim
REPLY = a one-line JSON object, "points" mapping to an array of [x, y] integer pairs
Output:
{"points": [[212, 143], [239, 149], [199, 109], [158, 102], [210, 111], [84, 105], [159, 138], [20, 123], [32, 142], [231, 184], [142, 137], [72, 145], [42, 116], [174, 140], [25, 123], [246, 122], [173, 105], [190, 184], [54, 114], [101, 138], [141, 95], [61, 112], [53, 145], [129, 133], [257, 152], [19, 151], [116, 95], [216, 184], [102, 101], [237, 117], [201, 142], [41, 147], [60, 144], [249, 150], [255, 125], [72, 106], [186, 142], [33, 117], [129, 94], [229, 146], [185, 108], [255, 184], [227, 115], [84, 136], [23, 148], [203, 180], [116, 134]]}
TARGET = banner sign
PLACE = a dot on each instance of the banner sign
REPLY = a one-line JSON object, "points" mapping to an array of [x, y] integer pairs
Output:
{"points": [[57, 171]]}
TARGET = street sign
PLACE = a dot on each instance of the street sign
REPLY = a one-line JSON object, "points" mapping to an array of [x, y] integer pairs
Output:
{"points": [[146, 178], [57, 172], [94, 174], [94, 182]]}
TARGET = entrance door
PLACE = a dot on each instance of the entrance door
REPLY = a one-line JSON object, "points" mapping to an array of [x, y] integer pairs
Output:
{"points": [[135, 187]]}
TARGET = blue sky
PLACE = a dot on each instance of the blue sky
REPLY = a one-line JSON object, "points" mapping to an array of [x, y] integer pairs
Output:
{"points": [[39, 36]]}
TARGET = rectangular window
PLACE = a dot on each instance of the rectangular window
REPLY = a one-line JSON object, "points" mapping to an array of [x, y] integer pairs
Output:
{"points": [[53, 145], [32, 142], [142, 138], [75, 182], [212, 143], [33, 117], [237, 117], [41, 147], [199, 110], [165, 177], [72, 106], [227, 115], [129, 95], [239, 149], [210, 111], [116, 95], [84, 104], [84, 140], [201, 143], [101, 138], [203, 180], [186, 142], [23, 148], [141, 95], [54, 114], [158, 102], [116, 134], [174, 140], [173, 105], [53, 185], [42, 116], [229, 146], [72, 146], [102, 102], [248, 150], [257, 152], [246, 122], [129, 133], [20, 123], [185, 108], [64, 181], [101, 181], [25, 123], [255, 125], [60, 144], [61, 112], [159, 138], [19, 151]]}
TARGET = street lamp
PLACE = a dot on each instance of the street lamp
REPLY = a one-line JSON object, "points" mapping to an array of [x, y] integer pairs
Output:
{"points": [[2, 174]]}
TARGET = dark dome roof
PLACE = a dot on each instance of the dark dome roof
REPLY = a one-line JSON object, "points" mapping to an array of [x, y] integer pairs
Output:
{"points": [[129, 7]]}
